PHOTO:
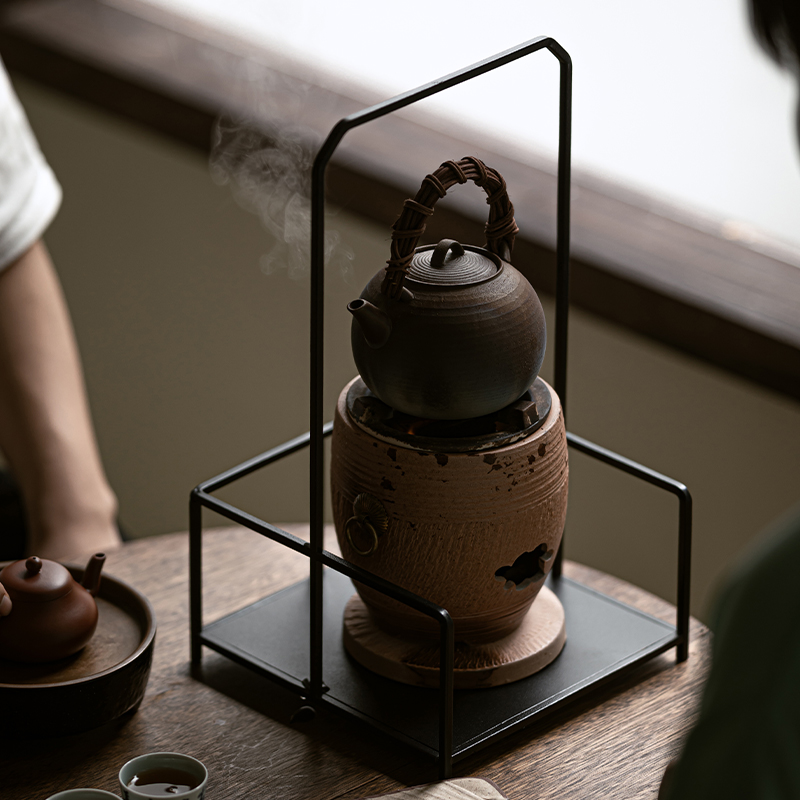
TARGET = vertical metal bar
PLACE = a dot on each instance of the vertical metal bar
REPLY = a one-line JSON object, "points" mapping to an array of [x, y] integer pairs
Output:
{"points": [[562, 231], [562, 251], [446, 686], [316, 466], [195, 576], [684, 573]]}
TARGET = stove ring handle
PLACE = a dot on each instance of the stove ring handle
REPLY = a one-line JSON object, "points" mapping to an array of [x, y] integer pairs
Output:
{"points": [[362, 524]]}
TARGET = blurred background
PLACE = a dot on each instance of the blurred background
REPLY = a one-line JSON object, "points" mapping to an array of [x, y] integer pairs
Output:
{"points": [[190, 299]]}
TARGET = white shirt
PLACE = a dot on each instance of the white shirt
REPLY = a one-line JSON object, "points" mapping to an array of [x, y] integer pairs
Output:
{"points": [[29, 192]]}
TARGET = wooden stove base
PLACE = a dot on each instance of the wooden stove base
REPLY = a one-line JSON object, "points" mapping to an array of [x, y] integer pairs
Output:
{"points": [[537, 642]]}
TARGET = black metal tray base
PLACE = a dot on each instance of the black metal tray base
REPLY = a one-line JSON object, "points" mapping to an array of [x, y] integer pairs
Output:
{"points": [[604, 639]]}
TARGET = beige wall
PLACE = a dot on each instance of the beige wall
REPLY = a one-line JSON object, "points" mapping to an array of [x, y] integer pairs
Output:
{"points": [[195, 360]]}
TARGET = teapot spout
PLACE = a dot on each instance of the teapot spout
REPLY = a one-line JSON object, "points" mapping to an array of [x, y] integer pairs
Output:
{"points": [[91, 575], [376, 325]]}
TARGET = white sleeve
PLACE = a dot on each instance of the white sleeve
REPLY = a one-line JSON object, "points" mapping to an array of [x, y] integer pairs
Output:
{"points": [[29, 192]]}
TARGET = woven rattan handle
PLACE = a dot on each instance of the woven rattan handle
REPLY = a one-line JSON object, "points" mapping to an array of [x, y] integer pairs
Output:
{"points": [[500, 228]]}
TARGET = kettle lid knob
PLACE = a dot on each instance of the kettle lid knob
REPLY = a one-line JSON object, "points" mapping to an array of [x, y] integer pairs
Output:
{"points": [[442, 249], [33, 565], [452, 264]]}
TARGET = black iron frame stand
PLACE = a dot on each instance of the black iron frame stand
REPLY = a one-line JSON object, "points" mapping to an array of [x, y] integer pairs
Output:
{"points": [[222, 635]]}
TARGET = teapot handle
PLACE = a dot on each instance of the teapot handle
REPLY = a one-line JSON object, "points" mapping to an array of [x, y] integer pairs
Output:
{"points": [[410, 225]]}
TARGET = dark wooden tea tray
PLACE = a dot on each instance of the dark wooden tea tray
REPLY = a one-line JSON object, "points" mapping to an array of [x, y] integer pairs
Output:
{"points": [[97, 685]]}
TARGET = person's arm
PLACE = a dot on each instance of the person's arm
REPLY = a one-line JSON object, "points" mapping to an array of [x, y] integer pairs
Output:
{"points": [[46, 432]]}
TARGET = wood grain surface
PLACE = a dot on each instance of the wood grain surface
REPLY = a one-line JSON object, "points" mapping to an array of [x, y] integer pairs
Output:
{"points": [[455, 789], [238, 724]]}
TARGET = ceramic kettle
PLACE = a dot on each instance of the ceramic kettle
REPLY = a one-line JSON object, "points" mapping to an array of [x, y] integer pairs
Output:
{"points": [[52, 616], [450, 331]]}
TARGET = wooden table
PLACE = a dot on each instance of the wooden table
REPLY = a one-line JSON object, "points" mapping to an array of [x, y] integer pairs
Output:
{"points": [[239, 723]]}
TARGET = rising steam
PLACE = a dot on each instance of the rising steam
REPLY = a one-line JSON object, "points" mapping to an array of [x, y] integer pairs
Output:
{"points": [[269, 172]]}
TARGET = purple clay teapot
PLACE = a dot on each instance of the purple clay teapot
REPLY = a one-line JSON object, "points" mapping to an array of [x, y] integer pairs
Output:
{"points": [[52, 616], [450, 331]]}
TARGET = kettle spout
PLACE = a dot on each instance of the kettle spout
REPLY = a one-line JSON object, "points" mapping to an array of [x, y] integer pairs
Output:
{"points": [[376, 325], [91, 575]]}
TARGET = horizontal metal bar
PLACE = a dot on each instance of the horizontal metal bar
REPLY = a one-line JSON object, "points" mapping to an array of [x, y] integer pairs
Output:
{"points": [[385, 587], [246, 467], [293, 684], [626, 464], [684, 525], [254, 523], [434, 87]]}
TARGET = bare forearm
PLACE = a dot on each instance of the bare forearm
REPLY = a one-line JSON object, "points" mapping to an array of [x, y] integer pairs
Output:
{"points": [[45, 427]]}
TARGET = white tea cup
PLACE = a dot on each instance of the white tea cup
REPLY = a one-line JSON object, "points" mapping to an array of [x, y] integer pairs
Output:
{"points": [[84, 794], [163, 775]]}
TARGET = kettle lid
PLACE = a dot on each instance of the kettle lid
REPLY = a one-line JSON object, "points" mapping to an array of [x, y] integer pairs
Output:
{"points": [[36, 580], [450, 263]]}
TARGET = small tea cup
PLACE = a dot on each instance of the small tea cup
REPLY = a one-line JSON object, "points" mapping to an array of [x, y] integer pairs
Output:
{"points": [[84, 794], [156, 776]]}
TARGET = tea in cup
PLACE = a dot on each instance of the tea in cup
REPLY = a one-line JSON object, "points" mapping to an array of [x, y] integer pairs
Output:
{"points": [[163, 775]]}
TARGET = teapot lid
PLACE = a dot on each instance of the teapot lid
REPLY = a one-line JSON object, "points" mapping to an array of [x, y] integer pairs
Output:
{"points": [[36, 580], [450, 263]]}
